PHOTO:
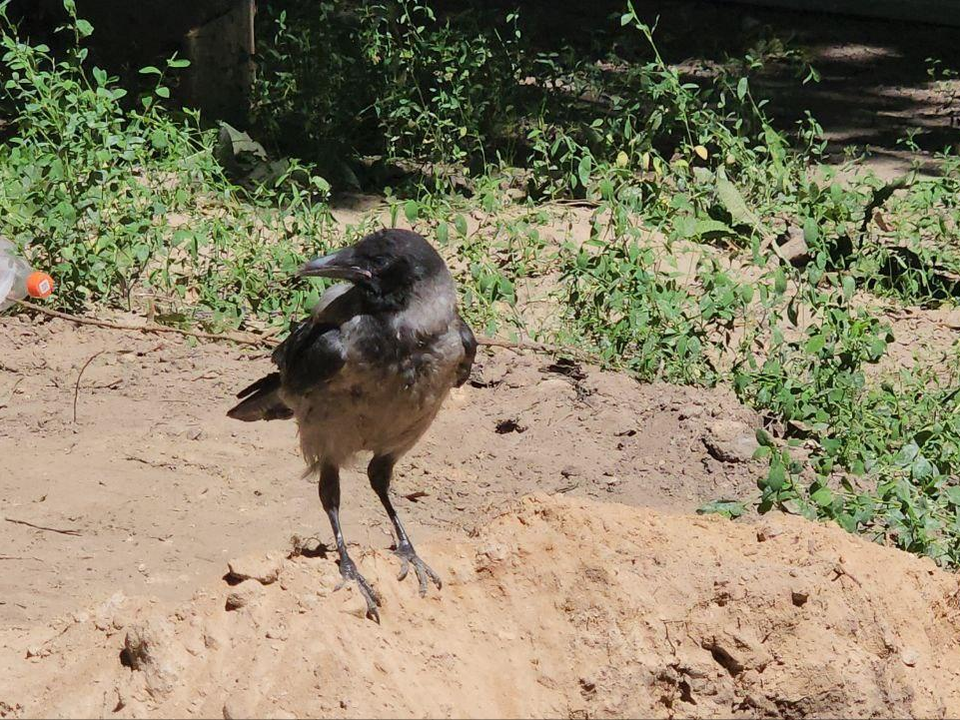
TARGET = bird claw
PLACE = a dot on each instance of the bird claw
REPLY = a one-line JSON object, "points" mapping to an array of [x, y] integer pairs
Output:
{"points": [[408, 556], [349, 573]]}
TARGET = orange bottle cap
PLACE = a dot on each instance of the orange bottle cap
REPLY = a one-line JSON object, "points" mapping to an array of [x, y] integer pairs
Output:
{"points": [[39, 285]]}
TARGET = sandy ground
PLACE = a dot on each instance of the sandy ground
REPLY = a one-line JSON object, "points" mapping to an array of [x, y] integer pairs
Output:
{"points": [[156, 488], [555, 502], [559, 607]]}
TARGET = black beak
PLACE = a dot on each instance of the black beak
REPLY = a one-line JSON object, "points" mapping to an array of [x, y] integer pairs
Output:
{"points": [[343, 264]]}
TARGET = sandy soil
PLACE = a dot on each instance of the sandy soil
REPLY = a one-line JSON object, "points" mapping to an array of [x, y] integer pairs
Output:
{"points": [[558, 508], [157, 488], [559, 607]]}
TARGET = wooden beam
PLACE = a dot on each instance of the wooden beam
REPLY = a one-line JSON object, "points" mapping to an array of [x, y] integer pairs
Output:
{"points": [[221, 63], [934, 12]]}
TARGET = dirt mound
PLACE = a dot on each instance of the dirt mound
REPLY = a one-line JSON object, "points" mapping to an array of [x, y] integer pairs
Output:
{"points": [[560, 607]]}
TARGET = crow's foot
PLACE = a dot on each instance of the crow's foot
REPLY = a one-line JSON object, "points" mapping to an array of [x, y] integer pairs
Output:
{"points": [[409, 557], [349, 572]]}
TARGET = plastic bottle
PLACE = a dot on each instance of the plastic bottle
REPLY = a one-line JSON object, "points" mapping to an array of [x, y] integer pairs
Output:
{"points": [[17, 279]]}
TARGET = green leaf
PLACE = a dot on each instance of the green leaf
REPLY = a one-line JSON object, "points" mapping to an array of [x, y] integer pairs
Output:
{"points": [[728, 508], [815, 344], [811, 232], [150, 70], [583, 170], [411, 210], [712, 227], [734, 203], [460, 223], [762, 452], [922, 468], [764, 438], [953, 494], [606, 189], [443, 233], [178, 63], [849, 286], [822, 497], [776, 477], [162, 91], [742, 88], [84, 28], [779, 282]]}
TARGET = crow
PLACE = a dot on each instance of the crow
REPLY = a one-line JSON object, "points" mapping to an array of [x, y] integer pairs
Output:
{"points": [[367, 371]]}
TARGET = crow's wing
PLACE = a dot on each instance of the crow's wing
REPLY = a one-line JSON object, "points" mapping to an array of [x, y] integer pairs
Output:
{"points": [[469, 352], [261, 401], [312, 354]]}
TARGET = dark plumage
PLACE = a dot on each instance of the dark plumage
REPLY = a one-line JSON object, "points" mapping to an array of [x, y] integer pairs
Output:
{"points": [[368, 371]]}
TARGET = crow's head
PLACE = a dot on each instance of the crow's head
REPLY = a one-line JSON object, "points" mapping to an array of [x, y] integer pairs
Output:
{"points": [[389, 266]]}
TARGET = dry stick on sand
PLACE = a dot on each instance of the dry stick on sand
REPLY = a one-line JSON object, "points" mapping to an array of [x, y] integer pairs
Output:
{"points": [[20, 557], [152, 328], [42, 527], [76, 388], [265, 341]]}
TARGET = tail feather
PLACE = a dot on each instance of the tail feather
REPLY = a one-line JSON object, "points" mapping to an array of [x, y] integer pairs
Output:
{"points": [[261, 401]]}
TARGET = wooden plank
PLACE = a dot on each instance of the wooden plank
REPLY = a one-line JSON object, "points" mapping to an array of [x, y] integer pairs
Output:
{"points": [[221, 63], [934, 12]]}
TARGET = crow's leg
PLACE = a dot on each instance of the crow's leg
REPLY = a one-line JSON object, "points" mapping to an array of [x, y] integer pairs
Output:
{"points": [[330, 497], [380, 471]]}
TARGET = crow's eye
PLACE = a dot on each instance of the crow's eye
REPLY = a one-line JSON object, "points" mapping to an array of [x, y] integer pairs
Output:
{"points": [[379, 262]]}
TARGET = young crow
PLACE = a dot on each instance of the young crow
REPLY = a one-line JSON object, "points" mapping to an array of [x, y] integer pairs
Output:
{"points": [[368, 371]]}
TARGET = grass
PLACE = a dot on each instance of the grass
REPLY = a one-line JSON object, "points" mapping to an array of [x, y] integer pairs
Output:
{"points": [[676, 273]]}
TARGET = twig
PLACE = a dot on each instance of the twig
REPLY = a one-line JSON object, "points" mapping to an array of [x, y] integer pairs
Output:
{"points": [[8, 396], [42, 527], [267, 341], [153, 328], [76, 388], [20, 557], [840, 571], [576, 202], [537, 347]]}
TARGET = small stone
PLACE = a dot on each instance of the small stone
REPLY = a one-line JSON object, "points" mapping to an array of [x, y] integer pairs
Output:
{"points": [[799, 598], [246, 593], [277, 633], [149, 647], [730, 441], [767, 531], [909, 657], [264, 569], [690, 411], [795, 250], [952, 320]]}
